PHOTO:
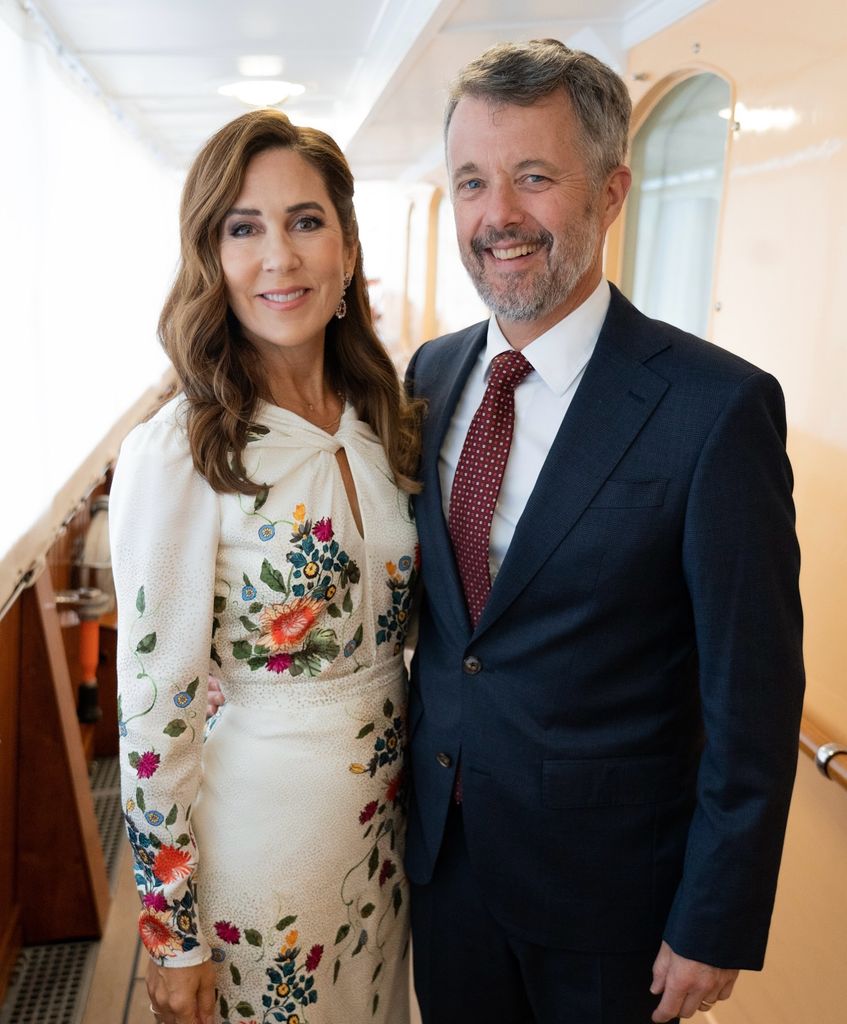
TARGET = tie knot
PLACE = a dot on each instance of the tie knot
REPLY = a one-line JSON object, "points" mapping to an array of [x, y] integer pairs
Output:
{"points": [[508, 369]]}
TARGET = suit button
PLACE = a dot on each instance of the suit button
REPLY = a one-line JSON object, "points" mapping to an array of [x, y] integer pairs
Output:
{"points": [[445, 760], [472, 665]]}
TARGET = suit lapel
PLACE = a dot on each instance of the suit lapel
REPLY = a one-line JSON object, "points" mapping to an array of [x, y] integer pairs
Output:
{"points": [[616, 397], [439, 561]]}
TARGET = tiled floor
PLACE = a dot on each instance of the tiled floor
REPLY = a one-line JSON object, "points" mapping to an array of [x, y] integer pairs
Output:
{"points": [[118, 994]]}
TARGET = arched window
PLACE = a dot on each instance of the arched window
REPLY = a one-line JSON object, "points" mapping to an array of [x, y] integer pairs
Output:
{"points": [[674, 205]]}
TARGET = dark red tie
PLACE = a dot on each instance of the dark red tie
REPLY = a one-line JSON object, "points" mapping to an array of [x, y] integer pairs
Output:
{"points": [[479, 474]]}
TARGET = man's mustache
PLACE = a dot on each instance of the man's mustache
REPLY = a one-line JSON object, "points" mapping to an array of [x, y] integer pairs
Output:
{"points": [[543, 239]]}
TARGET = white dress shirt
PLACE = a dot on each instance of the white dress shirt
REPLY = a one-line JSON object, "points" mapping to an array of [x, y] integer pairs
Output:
{"points": [[558, 358]]}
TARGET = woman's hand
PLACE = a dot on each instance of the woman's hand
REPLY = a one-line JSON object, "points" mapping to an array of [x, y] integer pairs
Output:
{"points": [[182, 995], [215, 698]]}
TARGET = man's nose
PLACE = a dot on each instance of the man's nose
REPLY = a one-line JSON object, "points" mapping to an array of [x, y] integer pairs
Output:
{"points": [[504, 209]]}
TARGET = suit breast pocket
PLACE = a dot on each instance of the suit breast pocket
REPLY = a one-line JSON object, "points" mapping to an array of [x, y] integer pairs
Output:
{"points": [[630, 494]]}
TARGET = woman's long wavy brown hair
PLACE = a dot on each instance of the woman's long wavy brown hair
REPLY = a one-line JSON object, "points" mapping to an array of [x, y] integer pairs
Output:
{"points": [[219, 370]]}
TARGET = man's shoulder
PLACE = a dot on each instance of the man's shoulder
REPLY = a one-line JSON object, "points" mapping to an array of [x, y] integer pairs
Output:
{"points": [[670, 350], [448, 346]]}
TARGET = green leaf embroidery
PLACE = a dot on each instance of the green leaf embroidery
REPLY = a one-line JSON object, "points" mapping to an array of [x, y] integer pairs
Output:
{"points": [[171, 818], [242, 649], [256, 606], [397, 899], [253, 937], [183, 840], [347, 603], [323, 643], [335, 971], [334, 611], [343, 932], [191, 689], [286, 922], [375, 974], [139, 799], [216, 658], [272, 577], [140, 603], [360, 945], [373, 862], [375, 1003], [357, 636], [236, 974], [224, 1007], [146, 644], [258, 662], [365, 730], [261, 497], [245, 1009], [388, 708], [219, 604], [249, 625], [176, 727], [133, 757], [367, 910]]}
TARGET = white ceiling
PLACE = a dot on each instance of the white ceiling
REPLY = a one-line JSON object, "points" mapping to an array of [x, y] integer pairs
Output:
{"points": [[375, 71]]}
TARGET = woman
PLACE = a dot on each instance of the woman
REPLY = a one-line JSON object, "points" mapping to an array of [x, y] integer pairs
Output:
{"points": [[263, 516]]}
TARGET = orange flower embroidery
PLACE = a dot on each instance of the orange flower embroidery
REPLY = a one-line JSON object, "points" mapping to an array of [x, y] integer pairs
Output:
{"points": [[284, 626], [172, 864], [299, 513], [156, 935]]}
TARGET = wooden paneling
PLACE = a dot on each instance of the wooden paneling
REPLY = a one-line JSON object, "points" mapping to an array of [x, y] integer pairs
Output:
{"points": [[10, 632], [60, 852]]}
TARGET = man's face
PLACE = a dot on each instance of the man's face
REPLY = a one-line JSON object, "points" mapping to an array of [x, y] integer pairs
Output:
{"points": [[529, 221]]}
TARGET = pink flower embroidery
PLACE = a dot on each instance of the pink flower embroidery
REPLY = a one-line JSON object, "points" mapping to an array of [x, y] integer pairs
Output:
{"points": [[314, 957], [228, 932], [368, 811], [155, 901], [147, 764], [393, 787], [279, 662], [323, 530], [386, 871]]}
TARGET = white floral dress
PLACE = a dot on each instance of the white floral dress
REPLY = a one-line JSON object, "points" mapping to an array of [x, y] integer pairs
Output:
{"points": [[275, 845]]}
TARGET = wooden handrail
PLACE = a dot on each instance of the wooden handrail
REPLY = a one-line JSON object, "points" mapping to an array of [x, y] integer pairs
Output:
{"points": [[812, 738]]}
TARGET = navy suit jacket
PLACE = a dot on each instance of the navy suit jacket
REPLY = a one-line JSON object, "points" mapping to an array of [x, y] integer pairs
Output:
{"points": [[628, 738]]}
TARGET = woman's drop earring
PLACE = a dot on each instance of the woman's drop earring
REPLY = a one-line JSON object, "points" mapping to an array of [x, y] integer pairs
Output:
{"points": [[341, 308]]}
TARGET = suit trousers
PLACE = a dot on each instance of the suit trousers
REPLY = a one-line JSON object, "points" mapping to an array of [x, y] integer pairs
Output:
{"points": [[469, 970]]}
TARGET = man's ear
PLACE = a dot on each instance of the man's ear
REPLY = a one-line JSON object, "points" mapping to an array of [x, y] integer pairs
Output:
{"points": [[614, 192]]}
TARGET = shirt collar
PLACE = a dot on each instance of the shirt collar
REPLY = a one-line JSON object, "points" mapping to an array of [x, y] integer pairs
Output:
{"points": [[559, 355]]}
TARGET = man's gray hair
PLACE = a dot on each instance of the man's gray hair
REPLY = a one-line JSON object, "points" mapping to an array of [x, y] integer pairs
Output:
{"points": [[523, 73]]}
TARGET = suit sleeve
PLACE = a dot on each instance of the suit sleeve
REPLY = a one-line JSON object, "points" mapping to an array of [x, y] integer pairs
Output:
{"points": [[164, 524], [741, 563]]}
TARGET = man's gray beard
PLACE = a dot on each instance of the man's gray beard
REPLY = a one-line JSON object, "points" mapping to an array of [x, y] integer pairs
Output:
{"points": [[550, 289]]}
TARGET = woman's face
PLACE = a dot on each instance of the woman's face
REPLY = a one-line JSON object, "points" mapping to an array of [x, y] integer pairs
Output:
{"points": [[283, 253]]}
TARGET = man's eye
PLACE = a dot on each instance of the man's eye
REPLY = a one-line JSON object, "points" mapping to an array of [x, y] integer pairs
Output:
{"points": [[471, 185], [535, 179]]}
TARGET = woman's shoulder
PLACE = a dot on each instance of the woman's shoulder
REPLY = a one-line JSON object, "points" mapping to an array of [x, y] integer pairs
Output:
{"points": [[163, 436]]}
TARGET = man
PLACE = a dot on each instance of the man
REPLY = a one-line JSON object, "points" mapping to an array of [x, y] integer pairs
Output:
{"points": [[605, 698]]}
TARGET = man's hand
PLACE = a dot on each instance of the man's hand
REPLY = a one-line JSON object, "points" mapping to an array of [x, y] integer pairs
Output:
{"points": [[182, 995], [687, 985], [214, 699]]}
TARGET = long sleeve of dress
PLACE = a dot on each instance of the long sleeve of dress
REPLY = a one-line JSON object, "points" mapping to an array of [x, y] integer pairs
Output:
{"points": [[164, 521]]}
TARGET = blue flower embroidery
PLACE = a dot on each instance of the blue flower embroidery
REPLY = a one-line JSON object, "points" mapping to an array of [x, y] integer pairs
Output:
{"points": [[267, 532], [183, 699], [249, 593], [405, 563], [154, 817], [218, 954]]}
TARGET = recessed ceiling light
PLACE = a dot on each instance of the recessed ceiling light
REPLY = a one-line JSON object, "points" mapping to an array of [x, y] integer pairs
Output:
{"points": [[261, 92], [260, 66]]}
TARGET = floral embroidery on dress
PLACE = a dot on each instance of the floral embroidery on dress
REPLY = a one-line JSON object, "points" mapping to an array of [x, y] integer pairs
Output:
{"points": [[166, 928], [288, 635], [384, 822], [401, 581], [289, 982]]}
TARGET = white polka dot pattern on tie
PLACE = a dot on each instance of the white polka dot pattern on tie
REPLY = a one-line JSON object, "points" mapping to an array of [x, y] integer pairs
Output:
{"points": [[479, 475]]}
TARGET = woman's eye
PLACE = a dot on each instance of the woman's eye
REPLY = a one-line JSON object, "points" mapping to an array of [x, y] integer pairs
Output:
{"points": [[309, 223], [240, 230]]}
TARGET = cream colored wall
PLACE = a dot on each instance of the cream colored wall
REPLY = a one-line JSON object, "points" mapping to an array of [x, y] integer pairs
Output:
{"points": [[781, 275]]}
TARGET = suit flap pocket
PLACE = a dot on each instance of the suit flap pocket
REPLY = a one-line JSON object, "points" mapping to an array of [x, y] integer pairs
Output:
{"points": [[611, 782], [630, 494]]}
